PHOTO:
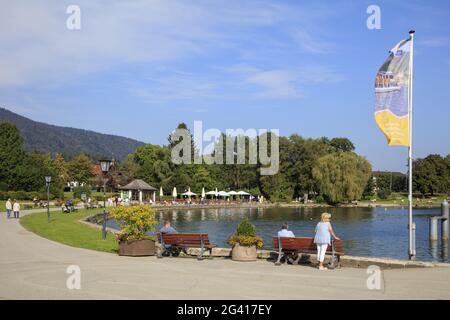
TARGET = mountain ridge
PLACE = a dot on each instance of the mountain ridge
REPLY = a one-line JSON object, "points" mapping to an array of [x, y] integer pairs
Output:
{"points": [[68, 140]]}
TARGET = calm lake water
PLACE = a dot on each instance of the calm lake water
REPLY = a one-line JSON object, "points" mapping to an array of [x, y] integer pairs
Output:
{"points": [[375, 232]]}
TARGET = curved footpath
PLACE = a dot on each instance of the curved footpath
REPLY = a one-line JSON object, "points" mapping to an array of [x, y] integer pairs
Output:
{"points": [[32, 267]]}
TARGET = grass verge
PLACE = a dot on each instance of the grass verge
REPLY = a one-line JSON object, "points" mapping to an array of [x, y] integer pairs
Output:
{"points": [[65, 228]]}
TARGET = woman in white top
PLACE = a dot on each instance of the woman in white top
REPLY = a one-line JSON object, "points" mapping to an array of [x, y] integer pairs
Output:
{"points": [[8, 208], [324, 231], [16, 209]]}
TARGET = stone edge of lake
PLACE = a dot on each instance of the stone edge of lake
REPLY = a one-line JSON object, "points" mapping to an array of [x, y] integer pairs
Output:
{"points": [[308, 259]]}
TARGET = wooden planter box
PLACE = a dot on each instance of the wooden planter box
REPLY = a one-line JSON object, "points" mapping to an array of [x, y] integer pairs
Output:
{"points": [[137, 248], [243, 253]]}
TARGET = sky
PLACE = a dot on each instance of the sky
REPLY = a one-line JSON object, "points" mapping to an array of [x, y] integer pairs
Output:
{"points": [[138, 68]]}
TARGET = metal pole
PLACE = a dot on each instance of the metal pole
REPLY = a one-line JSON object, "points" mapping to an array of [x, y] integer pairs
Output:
{"points": [[104, 212], [48, 202], [434, 228], [444, 222], [412, 248]]}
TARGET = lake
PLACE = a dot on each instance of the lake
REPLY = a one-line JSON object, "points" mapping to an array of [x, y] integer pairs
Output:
{"points": [[374, 232]]}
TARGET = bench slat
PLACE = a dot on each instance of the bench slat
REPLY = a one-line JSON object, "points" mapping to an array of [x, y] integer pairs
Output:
{"points": [[186, 239], [304, 244]]}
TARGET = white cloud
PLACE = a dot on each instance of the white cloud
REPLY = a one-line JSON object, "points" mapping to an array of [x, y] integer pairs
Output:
{"points": [[291, 83], [38, 48], [434, 42], [311, 43], [36, 44], [318, 74], [163, 37], [241, 81], [175, 85], [275, 83]]}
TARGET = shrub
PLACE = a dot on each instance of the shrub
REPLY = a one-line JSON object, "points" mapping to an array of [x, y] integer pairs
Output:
{"points": [[34, 194], [246, 235], [23, 195], [384, 194], [246, 241], [19, 195], [319, 199], [134, 221], [246, 228], [77, 191], [3, 186]]}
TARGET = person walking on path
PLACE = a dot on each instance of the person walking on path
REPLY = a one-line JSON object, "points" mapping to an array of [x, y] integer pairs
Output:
{"points": [[322, 239], [16, 209], [8, 208]]}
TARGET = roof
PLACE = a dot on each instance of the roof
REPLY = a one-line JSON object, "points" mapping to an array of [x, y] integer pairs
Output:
{"points": [[96, 169], [138, 184]]}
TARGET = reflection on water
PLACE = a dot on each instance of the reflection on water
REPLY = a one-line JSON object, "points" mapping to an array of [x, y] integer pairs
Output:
{"points": [[378, 232]]}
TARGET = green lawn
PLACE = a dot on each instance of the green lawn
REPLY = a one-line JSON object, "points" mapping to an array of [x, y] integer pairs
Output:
{"points": [[94, 194], [23, 205], [66, 229], [397, 197]]}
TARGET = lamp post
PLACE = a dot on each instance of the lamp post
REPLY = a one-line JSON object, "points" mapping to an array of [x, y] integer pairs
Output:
{"points": [[48, 180], [104, 164]]}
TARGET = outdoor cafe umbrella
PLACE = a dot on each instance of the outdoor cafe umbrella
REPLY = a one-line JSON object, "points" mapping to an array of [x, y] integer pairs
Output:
{"points": [[211, 193], [161, 193], [243, 193], [174, 192], [189, 193], [232, 193], [222, 194], [203, 193]]}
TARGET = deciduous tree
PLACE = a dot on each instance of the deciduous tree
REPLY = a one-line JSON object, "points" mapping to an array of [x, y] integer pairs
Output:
{"points": [[342, 176]]}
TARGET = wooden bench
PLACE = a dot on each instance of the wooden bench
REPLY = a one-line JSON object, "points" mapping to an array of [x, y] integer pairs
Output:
{"points": [[184, 241], [293, 247]]}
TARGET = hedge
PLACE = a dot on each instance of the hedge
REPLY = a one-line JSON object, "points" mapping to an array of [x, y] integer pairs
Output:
{"points": [[23, 195]]}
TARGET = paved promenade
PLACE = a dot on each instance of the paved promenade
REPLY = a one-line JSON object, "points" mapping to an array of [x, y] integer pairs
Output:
{"points": [[32, 267]]}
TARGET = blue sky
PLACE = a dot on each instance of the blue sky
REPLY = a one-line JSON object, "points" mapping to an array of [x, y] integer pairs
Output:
{"points": [[138, 68]]}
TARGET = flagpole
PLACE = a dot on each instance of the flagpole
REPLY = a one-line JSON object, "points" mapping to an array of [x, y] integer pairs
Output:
{"points": [[411, 225]]}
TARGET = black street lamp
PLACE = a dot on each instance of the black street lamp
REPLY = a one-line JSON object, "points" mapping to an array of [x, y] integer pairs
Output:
{"points": [[104, 164], [48, 180]]}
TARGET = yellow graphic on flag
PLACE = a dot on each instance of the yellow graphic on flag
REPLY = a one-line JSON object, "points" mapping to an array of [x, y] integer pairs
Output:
{"points": [[394, 128]]}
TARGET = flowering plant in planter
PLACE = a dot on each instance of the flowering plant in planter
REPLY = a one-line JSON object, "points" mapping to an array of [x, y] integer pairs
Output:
{"points": [[246, 236], [134, 222]]}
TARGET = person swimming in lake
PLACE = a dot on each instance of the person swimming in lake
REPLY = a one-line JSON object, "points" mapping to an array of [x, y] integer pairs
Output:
{"points": [[322, 239]]}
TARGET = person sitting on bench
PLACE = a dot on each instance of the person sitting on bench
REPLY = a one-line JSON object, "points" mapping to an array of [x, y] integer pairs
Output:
{"points": [[167, 228], [284, 232], [65, 208]]}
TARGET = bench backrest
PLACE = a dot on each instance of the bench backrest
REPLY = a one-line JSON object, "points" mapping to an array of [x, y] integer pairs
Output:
{"points": [[184, 239], [302, 243]]}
